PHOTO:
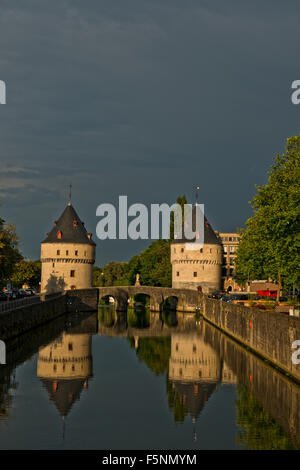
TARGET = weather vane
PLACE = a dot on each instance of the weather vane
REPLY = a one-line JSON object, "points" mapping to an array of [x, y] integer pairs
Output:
{"points": [[70, 193]]}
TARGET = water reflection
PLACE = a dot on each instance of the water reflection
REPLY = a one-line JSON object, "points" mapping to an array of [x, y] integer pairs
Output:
{"points": [[196, 360], [64, 367]]}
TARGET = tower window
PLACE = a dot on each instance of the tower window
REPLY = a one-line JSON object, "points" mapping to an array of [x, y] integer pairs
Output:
{"points": [[70, 346], [195, 273], [177, 274], [58, 252], [201, 250], [85, 253], [76, 252], [67, 252], [194, 348], [182, 250], [72, 273]]}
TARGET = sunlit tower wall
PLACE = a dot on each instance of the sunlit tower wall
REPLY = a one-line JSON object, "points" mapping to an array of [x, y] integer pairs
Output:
{"points": [[67, 255], [201, 266]]}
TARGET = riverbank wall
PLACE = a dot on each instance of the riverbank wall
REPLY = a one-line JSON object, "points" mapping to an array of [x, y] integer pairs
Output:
{"points": [[269, 334], [27, 317], [279, 395]]}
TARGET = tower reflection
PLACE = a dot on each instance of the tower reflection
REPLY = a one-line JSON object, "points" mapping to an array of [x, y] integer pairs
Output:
{"points": [[64, 367], [195, 371]]}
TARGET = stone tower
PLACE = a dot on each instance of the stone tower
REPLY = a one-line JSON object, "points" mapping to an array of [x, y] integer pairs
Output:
{"points": [[67, 255], [201, 266]]}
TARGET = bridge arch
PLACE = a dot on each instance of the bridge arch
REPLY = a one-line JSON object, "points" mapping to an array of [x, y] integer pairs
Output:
{"points": [[170, 303], [187, 300], [119, 295]]}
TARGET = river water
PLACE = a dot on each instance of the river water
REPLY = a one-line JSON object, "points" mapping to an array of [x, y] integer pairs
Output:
{"points": [[144, 381]]}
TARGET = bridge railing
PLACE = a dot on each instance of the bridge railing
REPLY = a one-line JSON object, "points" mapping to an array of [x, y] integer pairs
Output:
{"points": [[8, 305]]}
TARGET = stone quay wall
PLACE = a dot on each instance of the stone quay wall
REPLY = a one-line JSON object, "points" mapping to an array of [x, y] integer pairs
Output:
{"points": [[269, 334], [279, 395], [24, 318], [16, 322]]}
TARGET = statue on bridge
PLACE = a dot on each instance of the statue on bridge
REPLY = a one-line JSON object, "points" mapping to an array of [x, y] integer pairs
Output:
{"points": [[137, 280]]}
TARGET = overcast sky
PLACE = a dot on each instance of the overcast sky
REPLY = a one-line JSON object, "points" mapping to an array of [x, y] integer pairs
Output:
{"points": [[145, 98]]}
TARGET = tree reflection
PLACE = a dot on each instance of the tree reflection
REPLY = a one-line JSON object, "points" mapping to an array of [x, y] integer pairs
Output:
{"points": [[8, 383], [259, 431], [154, 352]]}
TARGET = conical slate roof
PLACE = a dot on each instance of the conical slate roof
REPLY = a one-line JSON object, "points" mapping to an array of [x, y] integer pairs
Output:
{"points": [[69, 229], [210, 237]]}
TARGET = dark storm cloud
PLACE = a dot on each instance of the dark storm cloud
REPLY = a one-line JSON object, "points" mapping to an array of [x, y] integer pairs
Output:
{"points": [[145, 98]]}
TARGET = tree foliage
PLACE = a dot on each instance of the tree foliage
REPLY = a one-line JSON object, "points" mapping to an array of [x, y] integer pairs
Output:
{"points": [[181, 200], [270, 245], [9, 253], [153, 265], [112, 274], [26, 272]]}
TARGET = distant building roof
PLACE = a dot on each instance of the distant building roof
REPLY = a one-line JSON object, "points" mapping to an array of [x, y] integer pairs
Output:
{"points": [[69, 229], [210, 237]]}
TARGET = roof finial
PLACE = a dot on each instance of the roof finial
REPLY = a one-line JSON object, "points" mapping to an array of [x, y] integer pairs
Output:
{"points": [[196, 196], [70, 194]]}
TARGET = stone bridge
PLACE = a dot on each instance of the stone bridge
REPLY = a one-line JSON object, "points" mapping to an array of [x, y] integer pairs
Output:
{"points": [[187, 300]]}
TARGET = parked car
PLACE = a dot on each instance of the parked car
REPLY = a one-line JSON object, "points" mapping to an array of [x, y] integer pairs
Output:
{"points": [[22, 293], [30, 292], [217, 295], [226, 298]]}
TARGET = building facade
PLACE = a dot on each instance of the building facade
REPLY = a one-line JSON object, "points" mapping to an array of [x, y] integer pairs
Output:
{"points": [[67, 255], [230, 242]]}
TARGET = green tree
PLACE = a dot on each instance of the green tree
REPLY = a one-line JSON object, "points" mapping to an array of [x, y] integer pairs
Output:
{"points": [[26, 272], [9, 253], [181, 200], [154, 265], [270, 245], [112, 274]]}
